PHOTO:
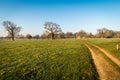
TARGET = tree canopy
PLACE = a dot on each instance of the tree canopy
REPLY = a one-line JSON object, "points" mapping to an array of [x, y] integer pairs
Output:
{"points": [[11, 28], [52, 28]]}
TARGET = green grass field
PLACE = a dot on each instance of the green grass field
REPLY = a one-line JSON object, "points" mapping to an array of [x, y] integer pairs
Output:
{"points": [[46, 60], [109, 45]]}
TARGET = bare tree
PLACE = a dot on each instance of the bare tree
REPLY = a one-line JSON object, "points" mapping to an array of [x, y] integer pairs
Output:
{"points": [[21, 36], [61, 35], [11, 28], [101, 32], [28, 36], [109, 34], [69, 35], [45, 35], [81, 34], [36, 36], [90, 35], [117, 34], [52, 28]]}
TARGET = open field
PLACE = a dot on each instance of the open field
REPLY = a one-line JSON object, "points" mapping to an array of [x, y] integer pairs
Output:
{"points": [[46, 60], [63, 59]]}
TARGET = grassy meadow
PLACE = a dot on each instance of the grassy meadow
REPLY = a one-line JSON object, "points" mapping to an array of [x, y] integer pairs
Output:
{"points": [[46, 60]]}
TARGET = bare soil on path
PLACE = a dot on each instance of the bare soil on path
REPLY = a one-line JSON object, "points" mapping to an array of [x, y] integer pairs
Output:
{"points": [[105, 70], [114, 59]]}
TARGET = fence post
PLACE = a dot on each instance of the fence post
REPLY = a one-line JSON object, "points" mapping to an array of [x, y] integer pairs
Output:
{"points": [[117, 46]]}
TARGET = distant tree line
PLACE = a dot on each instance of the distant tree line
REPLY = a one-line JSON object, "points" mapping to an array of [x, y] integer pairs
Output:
{"points": [[53, 31]]}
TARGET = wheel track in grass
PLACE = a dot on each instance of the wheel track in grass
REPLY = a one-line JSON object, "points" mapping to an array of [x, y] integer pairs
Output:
{"points": [[114, 59], [105, 70]]}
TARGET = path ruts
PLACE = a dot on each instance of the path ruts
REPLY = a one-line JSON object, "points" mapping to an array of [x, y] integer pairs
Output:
{"points": [[115, 60], [105, 70]]}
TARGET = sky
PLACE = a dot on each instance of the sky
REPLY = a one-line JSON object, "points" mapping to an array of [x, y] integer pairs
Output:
{"points": [[71, 15]]}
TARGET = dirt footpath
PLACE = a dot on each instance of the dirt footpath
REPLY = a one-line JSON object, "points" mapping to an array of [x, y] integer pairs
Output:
{"points": [[115, 60], [105, 70]]}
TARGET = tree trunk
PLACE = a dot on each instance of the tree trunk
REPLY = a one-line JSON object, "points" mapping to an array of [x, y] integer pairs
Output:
{"points": [[52, 36], [12, 38], [12, 34]]}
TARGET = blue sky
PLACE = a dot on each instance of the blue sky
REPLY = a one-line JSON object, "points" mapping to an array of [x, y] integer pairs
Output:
{"points": [[71, 15]]}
